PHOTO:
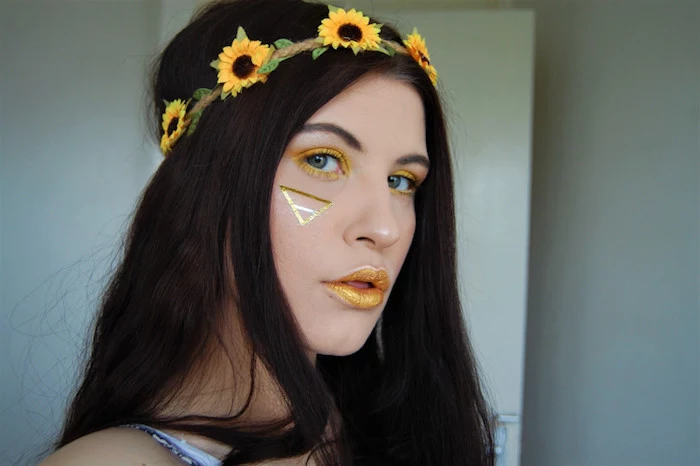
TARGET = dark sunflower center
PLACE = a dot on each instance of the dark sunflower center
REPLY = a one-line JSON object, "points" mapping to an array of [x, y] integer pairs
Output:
{"points": [[350, 32], [243, 66], [423, 58], [172, 126]]}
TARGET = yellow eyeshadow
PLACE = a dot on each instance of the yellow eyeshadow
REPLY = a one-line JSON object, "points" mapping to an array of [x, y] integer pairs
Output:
{"points": [[410, 176], [300, 160], [403, 193]]}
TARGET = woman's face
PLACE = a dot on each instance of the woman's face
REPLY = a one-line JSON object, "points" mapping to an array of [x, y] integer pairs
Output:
{"points": [[342, 216]]}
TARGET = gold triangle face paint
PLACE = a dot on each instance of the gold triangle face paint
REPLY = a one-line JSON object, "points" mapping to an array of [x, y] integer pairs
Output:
{"points": [[305, 206]]}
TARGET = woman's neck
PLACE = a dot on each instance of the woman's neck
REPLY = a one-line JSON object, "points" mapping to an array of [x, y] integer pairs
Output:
{"points": [[234, 384]]}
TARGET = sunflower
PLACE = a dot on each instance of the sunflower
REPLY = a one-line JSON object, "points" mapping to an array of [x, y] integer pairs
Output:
{"points": [[173, 124], [349, 29], [238, 65], [415, 44]]}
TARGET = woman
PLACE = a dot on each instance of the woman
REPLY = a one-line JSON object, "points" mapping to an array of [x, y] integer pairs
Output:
{"points": [[288, 288]]}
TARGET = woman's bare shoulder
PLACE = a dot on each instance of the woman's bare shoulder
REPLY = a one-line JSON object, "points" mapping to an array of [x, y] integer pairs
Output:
{"points": [[112, 447]]}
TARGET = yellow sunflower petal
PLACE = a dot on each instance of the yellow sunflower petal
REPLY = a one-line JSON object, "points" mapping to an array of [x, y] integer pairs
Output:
{"points": [[258, 53], [174, 111], [226, 70], [334, 15], [329, 31], [332, 41], [432, 74], [358, 17], [415, 44], [261, 55], [164, 144], [242, 44]]}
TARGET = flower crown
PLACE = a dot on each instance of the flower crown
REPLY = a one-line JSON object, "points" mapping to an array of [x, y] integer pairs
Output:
{"points": [[246, 62]]}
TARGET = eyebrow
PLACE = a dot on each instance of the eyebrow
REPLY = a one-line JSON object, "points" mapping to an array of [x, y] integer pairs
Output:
{"points": [[415, 158], [353, 142]]}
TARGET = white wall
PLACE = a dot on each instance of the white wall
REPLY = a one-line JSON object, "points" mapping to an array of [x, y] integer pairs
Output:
{"points": [[613, 343], [74, 157]]}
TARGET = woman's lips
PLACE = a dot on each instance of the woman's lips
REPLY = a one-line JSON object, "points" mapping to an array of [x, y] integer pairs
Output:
{"points": [[363, 289]]}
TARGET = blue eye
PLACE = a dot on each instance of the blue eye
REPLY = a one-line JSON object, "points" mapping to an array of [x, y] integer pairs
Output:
{"points": [[402, 184], [323, 162]]}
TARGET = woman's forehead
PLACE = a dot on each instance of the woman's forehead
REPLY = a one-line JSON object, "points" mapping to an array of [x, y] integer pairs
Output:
{"points": [[376, 112]]}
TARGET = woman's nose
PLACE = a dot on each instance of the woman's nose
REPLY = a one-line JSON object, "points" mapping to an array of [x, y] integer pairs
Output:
{"points": [[373, 220]]}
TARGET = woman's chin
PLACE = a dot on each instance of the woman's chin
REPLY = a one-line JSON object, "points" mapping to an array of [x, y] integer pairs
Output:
{"points": [[345, 346]]}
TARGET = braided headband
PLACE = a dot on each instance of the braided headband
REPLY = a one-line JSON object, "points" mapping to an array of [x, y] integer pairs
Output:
{"points": [[247, 62]]}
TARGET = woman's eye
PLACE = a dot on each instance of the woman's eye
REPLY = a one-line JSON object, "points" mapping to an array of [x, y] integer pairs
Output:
{"points": [[402, 184], [323, 162], [328, 164]]}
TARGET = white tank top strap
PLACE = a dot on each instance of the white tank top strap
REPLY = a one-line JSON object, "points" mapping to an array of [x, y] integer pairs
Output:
{"points": [[179, 447]]}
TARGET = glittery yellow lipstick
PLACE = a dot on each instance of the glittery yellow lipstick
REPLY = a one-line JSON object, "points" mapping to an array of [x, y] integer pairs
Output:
{"points": [[363, 289]]}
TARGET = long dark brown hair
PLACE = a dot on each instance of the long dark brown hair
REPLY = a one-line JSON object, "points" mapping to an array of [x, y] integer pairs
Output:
{"points": [[410, 395]]}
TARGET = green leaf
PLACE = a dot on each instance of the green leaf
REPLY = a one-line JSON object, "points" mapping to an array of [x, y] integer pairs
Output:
{"points": [[282, 43], [240, 34], [269, 67], [332, 9], [385, 51], [318, 52], [193, 122], [200, 93], [214, 64], [389, 50]]}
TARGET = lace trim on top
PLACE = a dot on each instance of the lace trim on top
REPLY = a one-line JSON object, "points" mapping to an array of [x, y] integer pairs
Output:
{"points": [[187, 453]]}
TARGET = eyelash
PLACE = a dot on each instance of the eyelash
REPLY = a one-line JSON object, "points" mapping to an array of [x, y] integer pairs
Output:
{"points": [[302, 160], [412, 182]]}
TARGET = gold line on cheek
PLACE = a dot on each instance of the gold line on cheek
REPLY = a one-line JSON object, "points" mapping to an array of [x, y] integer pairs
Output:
{"points": [[305, 206]]}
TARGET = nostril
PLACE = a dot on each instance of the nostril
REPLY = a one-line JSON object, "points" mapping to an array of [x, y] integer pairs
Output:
{"points": [[365, 238]]}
